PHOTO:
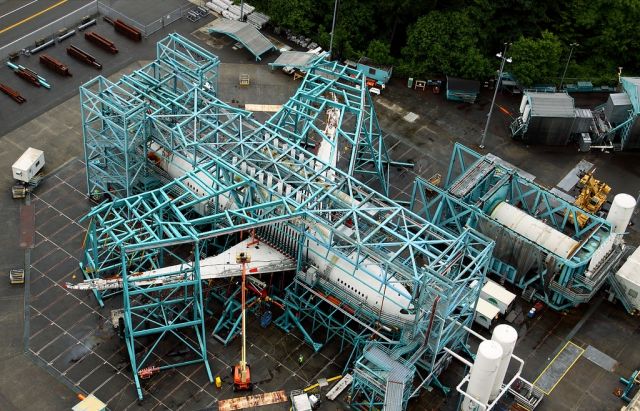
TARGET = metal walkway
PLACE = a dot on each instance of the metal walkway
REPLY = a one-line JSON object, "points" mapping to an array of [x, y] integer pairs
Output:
{"points": [[391, 376]]}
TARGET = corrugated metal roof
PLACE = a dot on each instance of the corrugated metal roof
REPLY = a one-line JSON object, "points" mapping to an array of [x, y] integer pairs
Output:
{"points": [[245, 33], [620, 99], [631, 86], [551, 105], [298, 59], [584, 113], [460, 84]]}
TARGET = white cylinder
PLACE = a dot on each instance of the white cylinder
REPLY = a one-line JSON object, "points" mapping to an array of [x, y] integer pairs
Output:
{"points": [[483, 374], [527, 112], [620, 212], [506, 336], [534, 230], [523, 103]]}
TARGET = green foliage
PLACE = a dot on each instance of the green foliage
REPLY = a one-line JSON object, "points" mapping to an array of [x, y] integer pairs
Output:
{"points": [[444, 42], [536, 60], [292, 14], [380, 52], [460, 37]]}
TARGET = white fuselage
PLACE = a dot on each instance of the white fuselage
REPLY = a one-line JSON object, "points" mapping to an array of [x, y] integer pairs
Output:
{"points": [[366, 281]]}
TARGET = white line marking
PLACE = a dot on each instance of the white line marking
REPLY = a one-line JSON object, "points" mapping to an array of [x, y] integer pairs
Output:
{"points": [[21, 7]]}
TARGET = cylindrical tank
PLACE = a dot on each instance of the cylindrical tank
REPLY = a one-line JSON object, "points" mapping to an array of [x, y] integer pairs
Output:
{"points": [[523, 103], [527, 112], [620, 212], [483, 374], [506, 336], [534, 230]]}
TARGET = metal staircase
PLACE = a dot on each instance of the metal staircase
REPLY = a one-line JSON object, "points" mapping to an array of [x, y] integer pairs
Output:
{"points": [[518, 127], [621, 294], [381, 380]]}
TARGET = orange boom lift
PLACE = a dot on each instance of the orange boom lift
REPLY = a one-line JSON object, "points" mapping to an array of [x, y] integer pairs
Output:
{"points": [[241, 373]]}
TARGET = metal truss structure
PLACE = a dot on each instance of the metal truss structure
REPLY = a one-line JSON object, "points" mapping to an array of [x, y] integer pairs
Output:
{"points": [[245, 176], [355, 135], [116, 116], [475, 184]]}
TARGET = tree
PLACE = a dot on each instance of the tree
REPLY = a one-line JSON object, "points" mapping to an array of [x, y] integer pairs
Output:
{"points": [[537, 60], [444, 42], [379, 51], [292, 14]]}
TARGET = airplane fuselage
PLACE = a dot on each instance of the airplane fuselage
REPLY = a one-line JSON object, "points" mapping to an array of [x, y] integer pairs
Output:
{"points": [[365, 280]]}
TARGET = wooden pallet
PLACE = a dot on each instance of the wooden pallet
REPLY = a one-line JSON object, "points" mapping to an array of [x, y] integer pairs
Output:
{"points": [[249, 401]]}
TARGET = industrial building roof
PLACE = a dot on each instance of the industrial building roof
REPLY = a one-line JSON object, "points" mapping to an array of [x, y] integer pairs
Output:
{"points": [[551, 104], [245, 33], [631, 86], [368, 62], [297, 59], [460, 84], [620, 99]]}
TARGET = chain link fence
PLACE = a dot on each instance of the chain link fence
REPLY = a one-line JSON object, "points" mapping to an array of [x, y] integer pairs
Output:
{"points": [[113, 14], [149, 28]]}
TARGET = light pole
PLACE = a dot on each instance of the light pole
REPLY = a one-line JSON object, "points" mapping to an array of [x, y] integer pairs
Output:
{"points": [[566, 66], [503, 57], [333, 28], [619, 74]]}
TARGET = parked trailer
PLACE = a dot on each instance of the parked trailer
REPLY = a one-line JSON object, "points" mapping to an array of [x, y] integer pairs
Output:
{"points": [[28, 165], [486, 314], [497, 295]]}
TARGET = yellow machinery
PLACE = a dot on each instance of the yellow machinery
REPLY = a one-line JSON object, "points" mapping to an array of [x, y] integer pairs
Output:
{"points": [[593, 194]]}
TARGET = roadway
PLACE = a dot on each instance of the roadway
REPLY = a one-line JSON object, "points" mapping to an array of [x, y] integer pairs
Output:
{"points": [[19, 18]]}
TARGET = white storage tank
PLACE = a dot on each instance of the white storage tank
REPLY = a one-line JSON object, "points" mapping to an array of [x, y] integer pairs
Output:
{"points": [[28, 165], [506, 336], [483, 374], [620, 212], [629, 278], [534, 229], [523, 103]]}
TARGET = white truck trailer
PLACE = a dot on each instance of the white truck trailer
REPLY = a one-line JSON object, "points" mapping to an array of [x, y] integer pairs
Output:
{"points": [[25, 171], [486, 314], [497, 295]]}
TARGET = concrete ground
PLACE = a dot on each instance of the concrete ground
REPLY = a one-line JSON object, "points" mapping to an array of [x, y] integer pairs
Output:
{"points": [[605, 326], [61, 340], [72, 338]]}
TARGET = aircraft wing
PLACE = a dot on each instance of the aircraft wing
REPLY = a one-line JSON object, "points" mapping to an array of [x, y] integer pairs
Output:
{"points": [[264, 259]]}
